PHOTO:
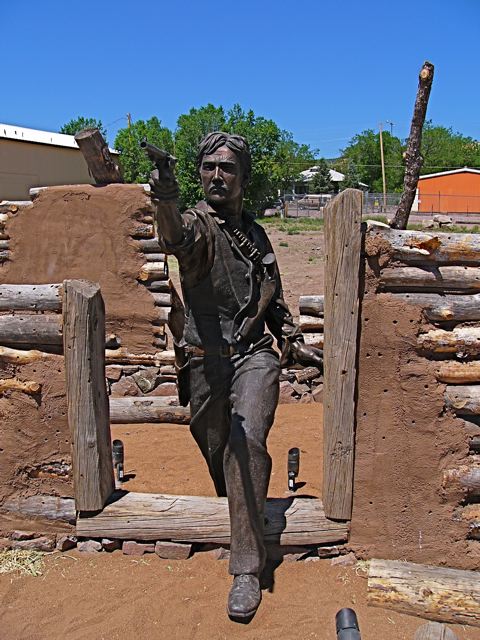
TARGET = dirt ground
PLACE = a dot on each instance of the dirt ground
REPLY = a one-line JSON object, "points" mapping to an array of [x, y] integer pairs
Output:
{"points": [[116, 597]]}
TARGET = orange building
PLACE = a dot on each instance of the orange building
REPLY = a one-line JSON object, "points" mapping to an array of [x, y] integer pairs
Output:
{"points": [[456, 191]]}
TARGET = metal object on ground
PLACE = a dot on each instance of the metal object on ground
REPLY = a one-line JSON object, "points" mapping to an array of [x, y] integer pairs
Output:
{"points": [[293, 467], [117, 457], [347, 625]]}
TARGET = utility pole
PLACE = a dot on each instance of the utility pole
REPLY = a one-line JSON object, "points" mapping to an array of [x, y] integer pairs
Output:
{"points": [[382, 160], [129, 120]]}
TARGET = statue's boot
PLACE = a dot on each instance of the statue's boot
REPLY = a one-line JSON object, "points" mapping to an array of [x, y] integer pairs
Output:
{"points": [[244, 597]]}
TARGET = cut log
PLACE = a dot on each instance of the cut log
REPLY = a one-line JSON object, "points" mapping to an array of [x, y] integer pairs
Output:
{"points": [[434, 631], [343, 241], [153, 271], [155, 257], [447, 308], [463, 399], [30, 329], [99, 160], [465, 478], [48, 507], [30, 387], [311, 305], [35, 297], [307, 374], [19, 356], [413, 156], [122, 356], [460, 279], [314, 339], [423, 247], [463, 341], [160, 286], [453, 372], [150, 245], [436, 593], [160, 409], [143, 231], [4, 256], [162, 299], [310, 323], [4, 245], [161, 316], [87, 401], [144, 516]]}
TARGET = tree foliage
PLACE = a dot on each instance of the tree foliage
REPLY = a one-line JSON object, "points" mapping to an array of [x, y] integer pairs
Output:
{"points": [[352, 178], [444, 149], [135, 164], [321, 181], [77, 124]]}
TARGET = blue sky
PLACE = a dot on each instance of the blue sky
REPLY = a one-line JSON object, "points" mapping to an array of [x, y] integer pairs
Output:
{"points": [[322, 70]]}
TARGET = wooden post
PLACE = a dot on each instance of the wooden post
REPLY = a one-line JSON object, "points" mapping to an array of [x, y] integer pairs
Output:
{"points": [[382, 160], [343, 240], [87, 401], [95, 150]]}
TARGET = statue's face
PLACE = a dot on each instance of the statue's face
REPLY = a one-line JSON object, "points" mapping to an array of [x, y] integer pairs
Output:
{"points": [[222, 177]]}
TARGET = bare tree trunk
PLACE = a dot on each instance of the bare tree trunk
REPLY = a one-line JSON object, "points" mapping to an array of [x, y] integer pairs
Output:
{"points": [[413, 158]]}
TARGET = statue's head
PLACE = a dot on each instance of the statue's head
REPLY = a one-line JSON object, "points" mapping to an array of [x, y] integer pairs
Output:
{"points": [[224, 163]]}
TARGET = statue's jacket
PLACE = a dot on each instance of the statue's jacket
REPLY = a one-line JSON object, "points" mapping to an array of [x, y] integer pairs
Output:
{"points": [[229, 299]]}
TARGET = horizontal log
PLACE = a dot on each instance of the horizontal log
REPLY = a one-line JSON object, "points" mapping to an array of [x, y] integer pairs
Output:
{"points": [[48, 507], [461, 279], [153, 271], [463, 399], [31, 329], [465, 478], [122, 356], [159, 409], [307, 374], [445, 308], [29, 387], [20, 356], [4, 244], [4, 256], [311, 305], [453, 372], [314, 339], [310, 323], [35, 297], [143, 231], [150, 245], [463, 341], [155, 257], [436, 593], [144, 516], [160, 286], [423, 247], [161, 316], [162, 299]]}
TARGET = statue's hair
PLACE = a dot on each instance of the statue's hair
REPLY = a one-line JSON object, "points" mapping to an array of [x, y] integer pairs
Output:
{"points": [[216, 139]]}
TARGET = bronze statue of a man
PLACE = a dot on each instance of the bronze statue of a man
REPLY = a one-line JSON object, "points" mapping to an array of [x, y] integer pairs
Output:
{"points": [[232, 292]]}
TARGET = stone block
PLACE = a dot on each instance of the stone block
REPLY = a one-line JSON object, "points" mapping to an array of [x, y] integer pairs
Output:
{"points": [[22, 535], [113, 372], [126, 386], [111, 545], [89, 546], [132, 548], [344, 561], [42, 543], [172, 550], [165, 389], [146, 379], [65, 543], [287, 393]]}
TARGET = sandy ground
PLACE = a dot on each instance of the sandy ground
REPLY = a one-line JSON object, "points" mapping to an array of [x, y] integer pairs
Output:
{"points": [[116, 597]]}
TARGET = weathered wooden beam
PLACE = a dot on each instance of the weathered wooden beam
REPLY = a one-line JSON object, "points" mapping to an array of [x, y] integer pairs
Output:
{"points": [[463, 399], [146, 516], [162, 299], [445, 308], [310, 323], [434, 631], [311, 305], [123, 356], [413, 156], [436, 593], [102, 166], [143, 231], [155, 257], [465, 477], [30, 387], [35, 297], [424, 247], [153, 271], [343, 241], [48, 507], [463, 341], [462, 279], [160, 409], [453, 372], [160, 286], [87, 401], [314, 339], [30, 329], [150, 245], [20, 356]]}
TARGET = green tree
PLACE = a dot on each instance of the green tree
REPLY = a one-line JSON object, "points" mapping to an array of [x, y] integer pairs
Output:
{"points": [[135, 164], [77, 124], [444, 149], [364, 152], [352, 178], [321, 181]]}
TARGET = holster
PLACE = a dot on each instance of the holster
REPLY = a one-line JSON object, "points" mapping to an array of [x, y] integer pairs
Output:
{"points": [[182, 367]]}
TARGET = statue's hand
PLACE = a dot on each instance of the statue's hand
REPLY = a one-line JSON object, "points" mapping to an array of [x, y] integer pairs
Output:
{"points": [[163, 184], [307, 356]]}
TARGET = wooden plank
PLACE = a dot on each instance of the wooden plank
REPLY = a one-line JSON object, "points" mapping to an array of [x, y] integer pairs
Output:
{"points": [[343, 240], [101, 164], [311, 305], [462, 279], [87, 401], [146, 516], [159, 409], [30, 329], [48, 507], [463, 341], [445, 308], [35, 297], [424, 247], [436, 593]]}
